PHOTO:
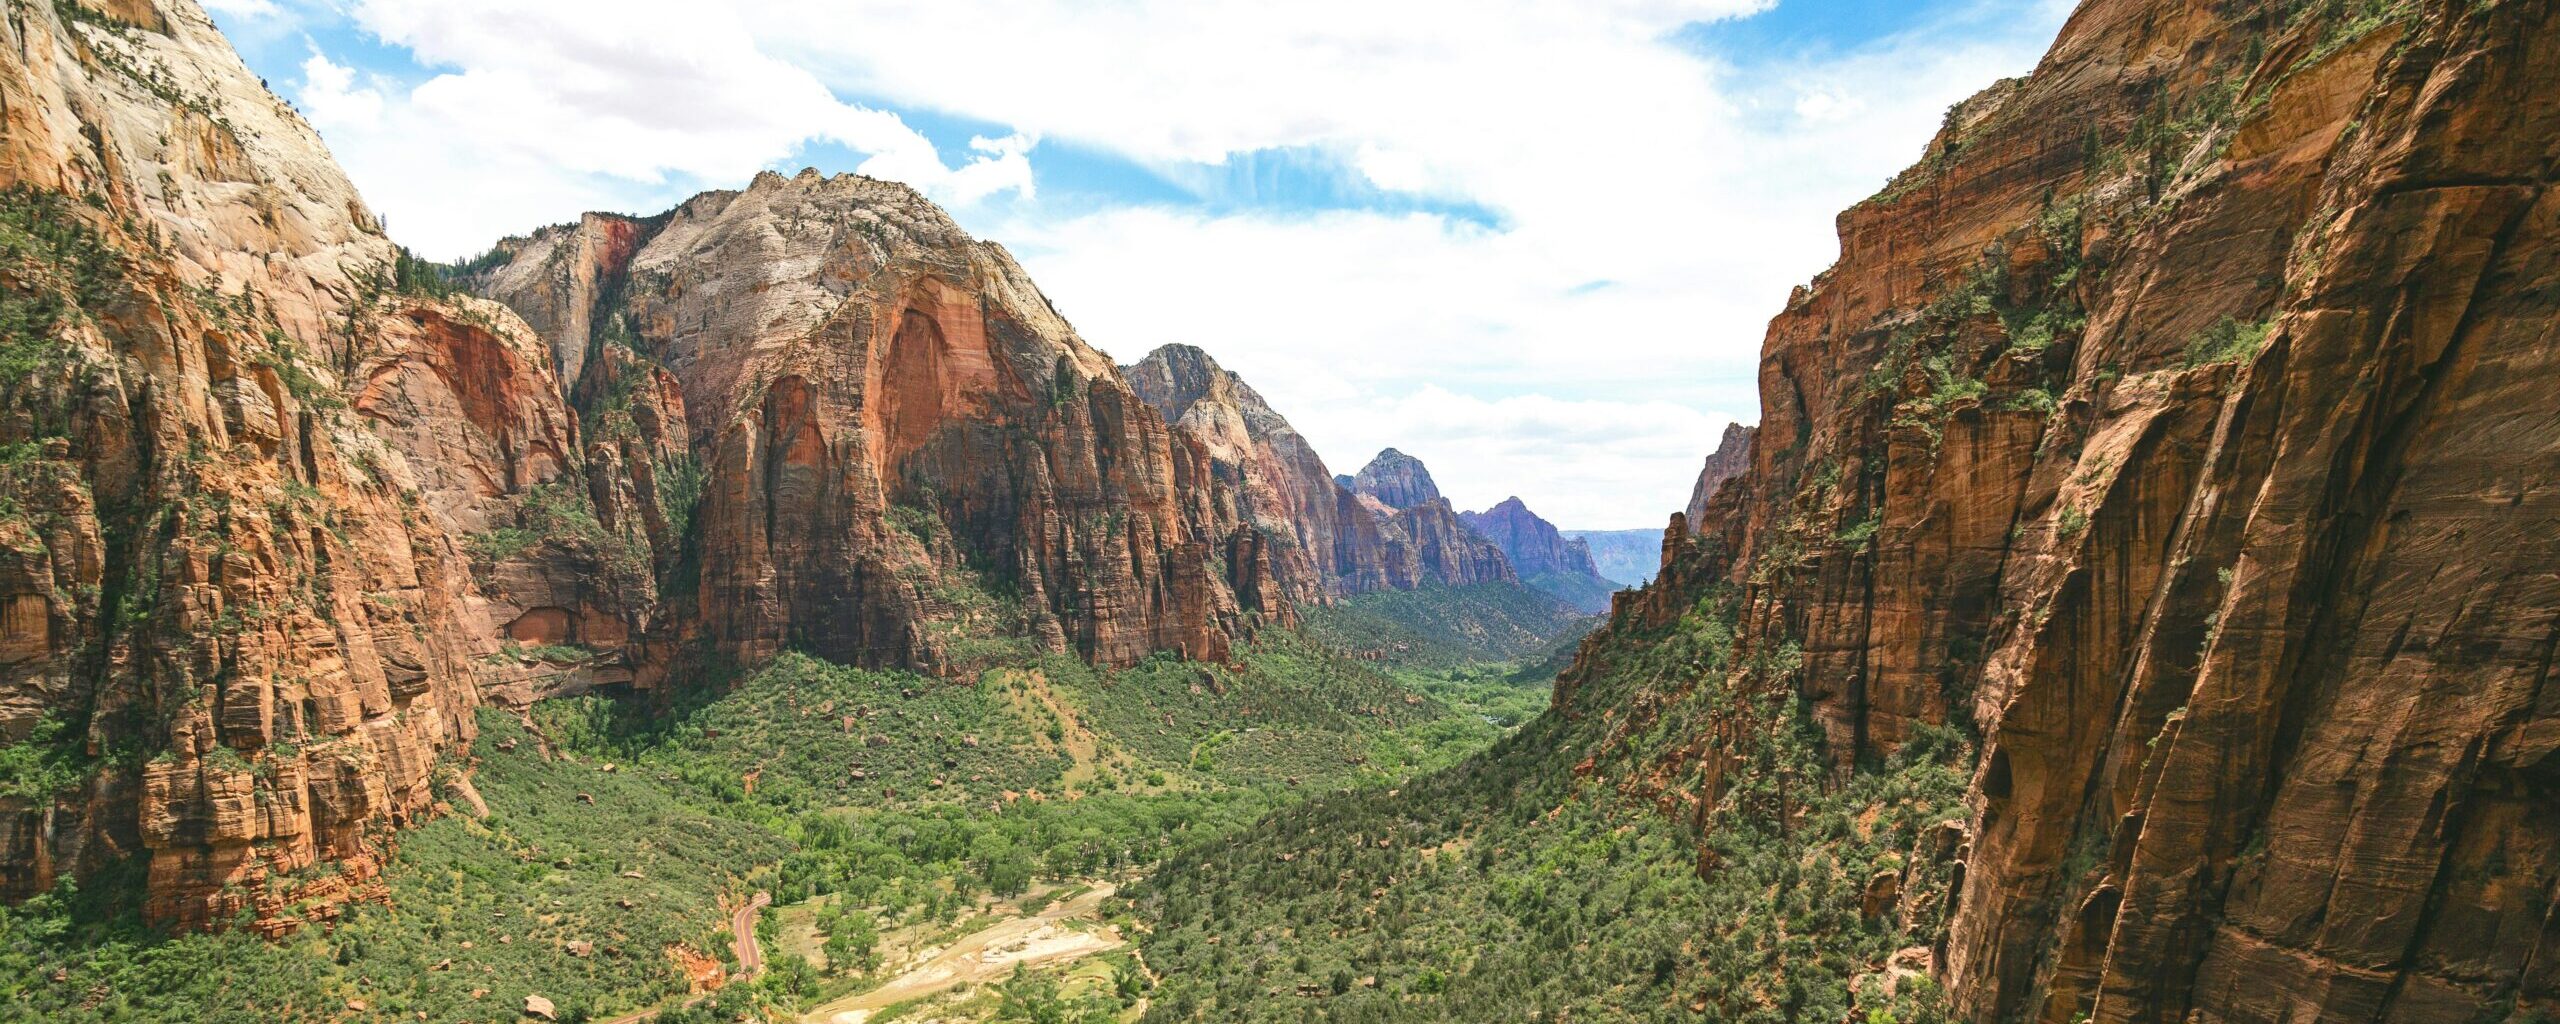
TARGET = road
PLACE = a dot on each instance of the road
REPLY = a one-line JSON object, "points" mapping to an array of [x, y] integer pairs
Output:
{"points": [[742, 926], [986, 955]]}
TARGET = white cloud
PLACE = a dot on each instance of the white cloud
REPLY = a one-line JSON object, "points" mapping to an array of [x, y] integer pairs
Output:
{"points": [[530, 113], [1655, 201], [330, 94]]}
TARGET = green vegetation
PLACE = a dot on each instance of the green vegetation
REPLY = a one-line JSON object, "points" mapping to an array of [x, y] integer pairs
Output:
{"points": [[2227, 341], [49, 760], [560, 514], [1440, 627], [615, 833], [1583, 593], [57, 267], [570, 853], [1505, 888]]}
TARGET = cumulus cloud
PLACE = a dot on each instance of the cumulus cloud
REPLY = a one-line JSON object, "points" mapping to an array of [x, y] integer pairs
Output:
{"points": [[530, 113], [1649, 198]]}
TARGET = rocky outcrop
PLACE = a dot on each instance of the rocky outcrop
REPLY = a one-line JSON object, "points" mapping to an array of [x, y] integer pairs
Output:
{"points": [[1545, 560], [2177, 431], [1418, 537], [1281, 488], [1730, 459], [246, 453]]}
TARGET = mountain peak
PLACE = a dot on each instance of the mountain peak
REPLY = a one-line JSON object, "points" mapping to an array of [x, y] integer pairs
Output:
{"points": [[1396, 479]]}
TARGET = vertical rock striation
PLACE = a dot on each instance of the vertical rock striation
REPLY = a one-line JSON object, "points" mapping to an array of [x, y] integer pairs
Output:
{"points": [[243, 458], [1419, 538], [2178, 428], [899, 449]]}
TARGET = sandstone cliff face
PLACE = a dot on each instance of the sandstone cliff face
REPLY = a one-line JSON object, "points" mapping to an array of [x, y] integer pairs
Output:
{"points": [[1546, 560], [1731, 459], [1280, 487], [237, 468], [903, 450], [2179, 429]]}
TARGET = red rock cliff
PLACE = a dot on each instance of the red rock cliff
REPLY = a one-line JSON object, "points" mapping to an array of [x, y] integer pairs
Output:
{"points": [[242, 617], [2180, 428]]}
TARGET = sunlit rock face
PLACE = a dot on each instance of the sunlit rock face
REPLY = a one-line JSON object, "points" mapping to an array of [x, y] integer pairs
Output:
{"points": [[901, 446]]}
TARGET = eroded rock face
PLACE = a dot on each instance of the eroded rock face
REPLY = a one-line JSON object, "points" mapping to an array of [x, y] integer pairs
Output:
{"points": [[241, 615], [1397, 480], [892, 427], [1532, 543], [2179, 426]]}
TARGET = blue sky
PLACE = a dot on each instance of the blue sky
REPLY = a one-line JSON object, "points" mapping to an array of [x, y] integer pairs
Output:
{"points": [[1535, 244]]}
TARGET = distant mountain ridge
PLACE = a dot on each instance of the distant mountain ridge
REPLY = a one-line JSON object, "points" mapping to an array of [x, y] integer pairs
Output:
{"points": [[1387, 528], [1629, 558], [1545, 559]]}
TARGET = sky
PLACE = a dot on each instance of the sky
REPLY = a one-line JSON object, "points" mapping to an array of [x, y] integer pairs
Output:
{"points": [[1534, 243]]}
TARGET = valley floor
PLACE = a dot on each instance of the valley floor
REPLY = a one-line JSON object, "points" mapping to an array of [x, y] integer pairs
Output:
{"points": [[1060, 934], [932, 849]]}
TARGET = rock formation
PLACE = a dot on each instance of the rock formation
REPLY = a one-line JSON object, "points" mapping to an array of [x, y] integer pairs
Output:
{"points": [[1335, 541], [1731, 457], [903, 451], [1545, 560], [249, 459], [2179, 429], [1420, 539], [1397, 480], [279, 506]]}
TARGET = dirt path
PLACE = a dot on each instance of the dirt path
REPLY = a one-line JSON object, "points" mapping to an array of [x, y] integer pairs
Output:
{"points": [[983, 956]]}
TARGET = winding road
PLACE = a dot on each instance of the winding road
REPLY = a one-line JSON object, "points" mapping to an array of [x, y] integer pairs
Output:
{"points": [[742, 925], [742, 929]]}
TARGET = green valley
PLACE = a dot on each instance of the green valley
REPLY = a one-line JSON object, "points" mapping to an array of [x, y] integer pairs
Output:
{"points": [[591, 851]]}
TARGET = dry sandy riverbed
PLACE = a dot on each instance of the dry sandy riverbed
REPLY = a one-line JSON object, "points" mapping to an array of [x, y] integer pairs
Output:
{"points": [[988, 955]]}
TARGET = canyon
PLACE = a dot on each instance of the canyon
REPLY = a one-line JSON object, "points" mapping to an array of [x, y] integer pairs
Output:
{"points": [[286, 503], [2136, 602]]}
